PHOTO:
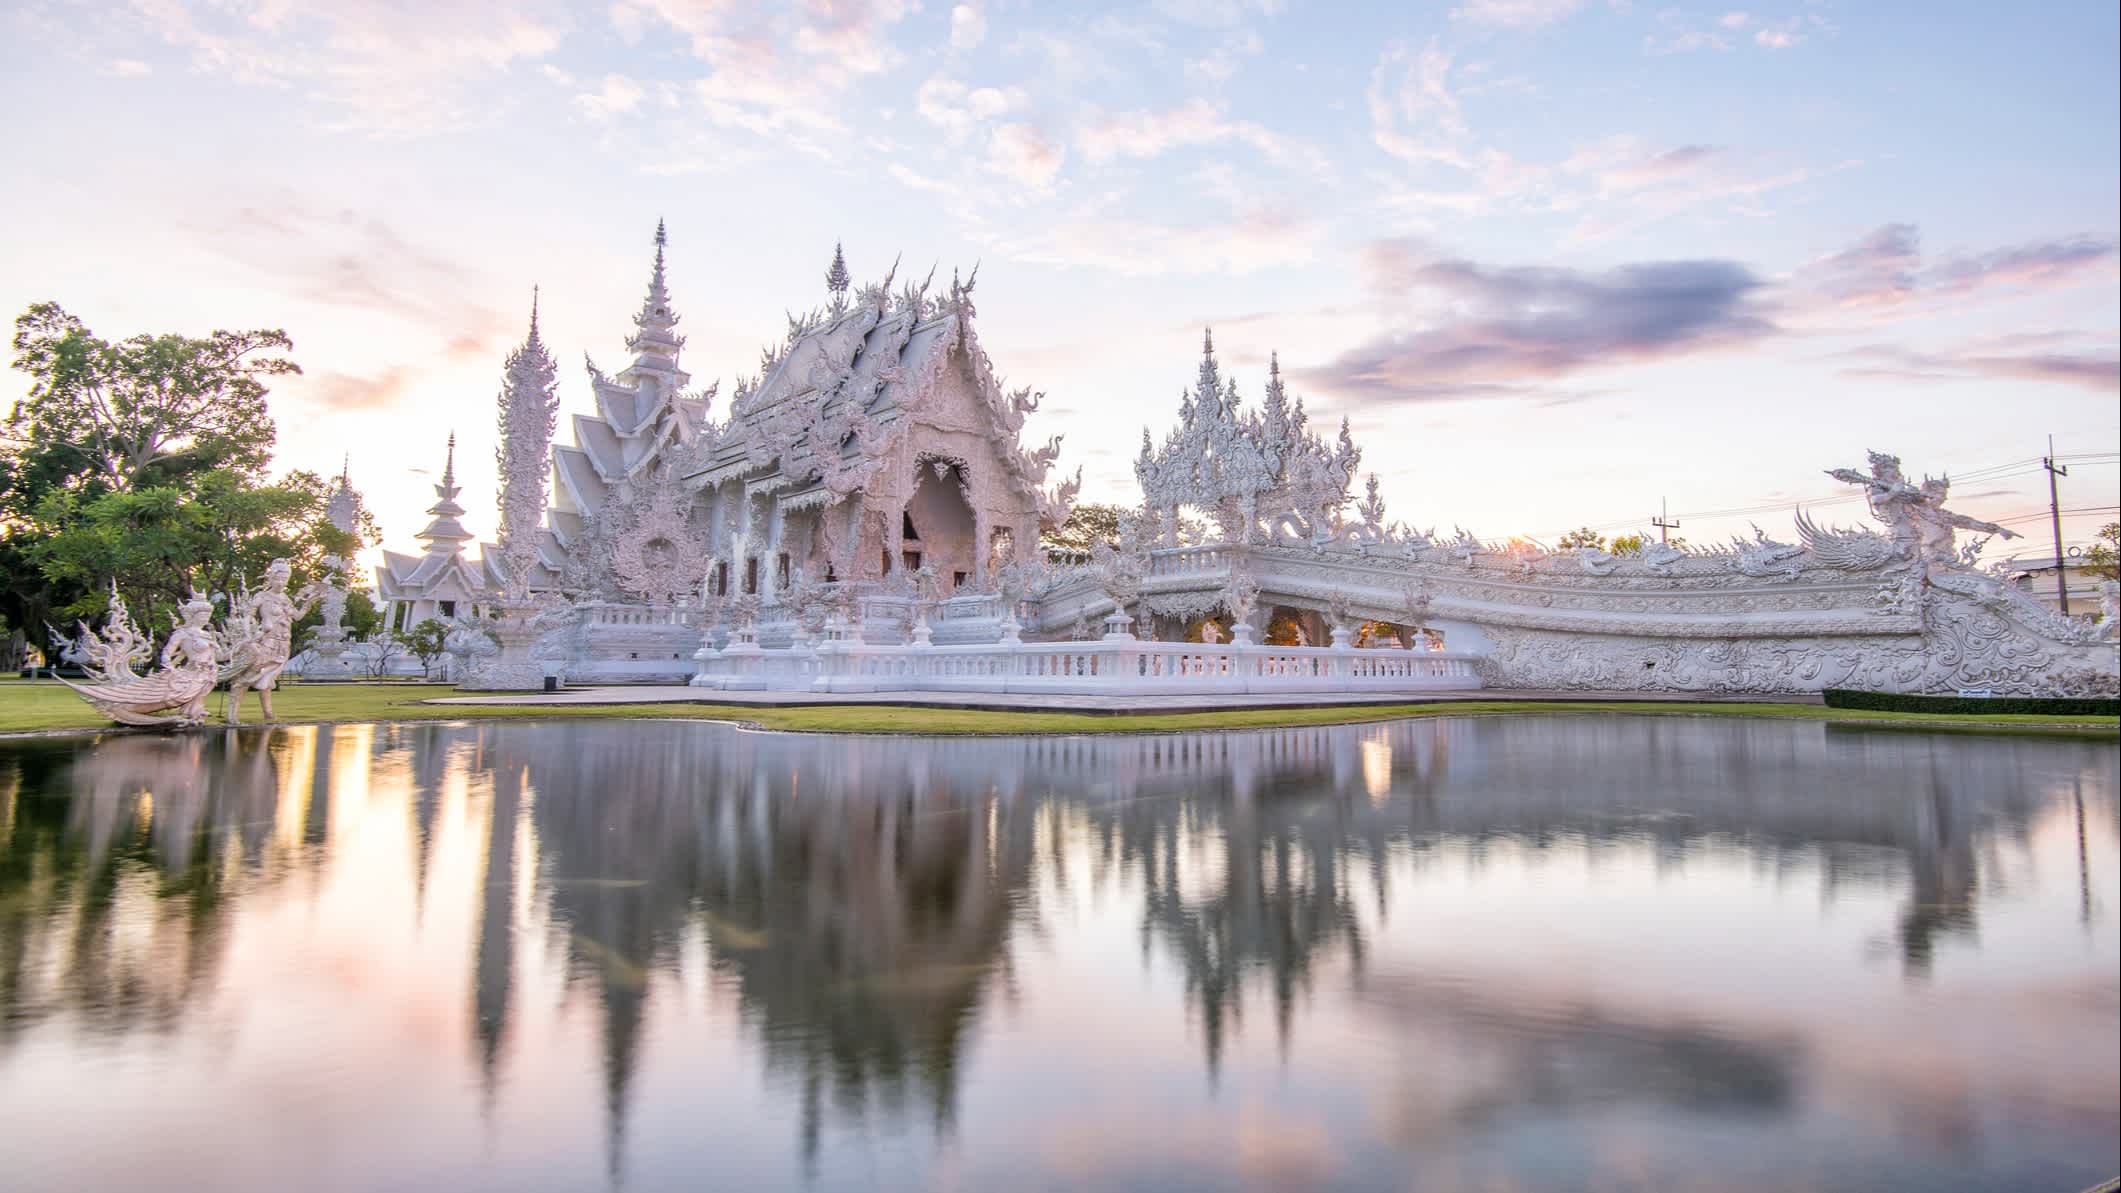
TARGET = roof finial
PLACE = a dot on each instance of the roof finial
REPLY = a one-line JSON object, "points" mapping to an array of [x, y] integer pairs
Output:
{"points": [[449, 464], [836, 277], [1274, 364], [346, 471], [1207, 341]]}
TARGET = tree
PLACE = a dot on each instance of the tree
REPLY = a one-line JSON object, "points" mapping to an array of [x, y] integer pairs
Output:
{"points": [[1628, 544], [1583, 537], [116, 416], [143, 462], [2103, 558], [1088, 524], [426, 642]]}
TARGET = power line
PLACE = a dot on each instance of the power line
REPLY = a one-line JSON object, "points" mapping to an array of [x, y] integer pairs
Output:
{"points": [[1990, 472]]}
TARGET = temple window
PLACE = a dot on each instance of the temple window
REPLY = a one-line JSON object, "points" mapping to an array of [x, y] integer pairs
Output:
{"points": [[780, 570], [906, 530], [751, 577]]}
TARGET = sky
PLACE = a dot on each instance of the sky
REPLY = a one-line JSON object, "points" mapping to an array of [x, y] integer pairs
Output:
{"points": [[1558, 261]]}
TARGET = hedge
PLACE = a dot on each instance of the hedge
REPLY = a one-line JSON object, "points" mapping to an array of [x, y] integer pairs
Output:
{"points": [[2060, 706]]}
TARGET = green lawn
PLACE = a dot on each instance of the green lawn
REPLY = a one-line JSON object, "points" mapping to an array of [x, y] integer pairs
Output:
{"points": [[46, 706]]}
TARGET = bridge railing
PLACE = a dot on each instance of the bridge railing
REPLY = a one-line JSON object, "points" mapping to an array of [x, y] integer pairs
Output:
{"points": [[1108, 666]]}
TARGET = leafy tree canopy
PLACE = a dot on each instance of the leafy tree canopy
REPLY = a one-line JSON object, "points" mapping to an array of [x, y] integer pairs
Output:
{"points": [[1584, 537], [143, 462], [1088, 524]]}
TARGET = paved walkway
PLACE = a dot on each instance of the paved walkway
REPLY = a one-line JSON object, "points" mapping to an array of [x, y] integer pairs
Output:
{"points": [[1032, 702]]}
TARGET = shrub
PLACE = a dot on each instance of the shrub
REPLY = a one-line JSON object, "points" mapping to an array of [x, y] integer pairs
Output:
{"points": [[2060, 706]]}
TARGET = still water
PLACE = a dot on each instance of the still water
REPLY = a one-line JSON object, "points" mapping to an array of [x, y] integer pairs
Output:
{"points": [[1522, 953]]}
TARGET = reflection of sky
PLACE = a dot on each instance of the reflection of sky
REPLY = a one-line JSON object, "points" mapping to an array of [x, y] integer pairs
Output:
{"points": [[1471, 954]]}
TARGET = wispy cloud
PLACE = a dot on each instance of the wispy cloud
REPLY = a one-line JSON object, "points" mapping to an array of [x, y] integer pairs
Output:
{"points": [[968, 27], [1024, 154], [2099, 371], [1886, 269], [1103, 137], [1255, 238], [393, 68], [616, 96], [779, 73], [1515, 14]]}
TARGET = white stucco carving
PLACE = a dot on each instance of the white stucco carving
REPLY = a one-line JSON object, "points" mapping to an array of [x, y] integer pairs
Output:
{"points": [[175, 692], [259, 634]]}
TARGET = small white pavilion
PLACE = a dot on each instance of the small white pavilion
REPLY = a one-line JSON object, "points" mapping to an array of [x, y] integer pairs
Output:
{"points": [[441, 582]]}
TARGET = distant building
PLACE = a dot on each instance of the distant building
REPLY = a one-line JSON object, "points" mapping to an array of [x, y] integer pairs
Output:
{"points": [[2036, 578]]}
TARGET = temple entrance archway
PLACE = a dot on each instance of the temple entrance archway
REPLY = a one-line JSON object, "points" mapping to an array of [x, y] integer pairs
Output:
{"points": [[939, 530]]}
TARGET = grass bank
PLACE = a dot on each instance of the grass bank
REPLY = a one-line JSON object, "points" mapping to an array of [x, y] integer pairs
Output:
{"points": [[45, 706]]}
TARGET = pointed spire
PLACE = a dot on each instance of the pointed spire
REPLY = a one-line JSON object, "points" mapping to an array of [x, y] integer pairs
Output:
{"points": [[534, 296], [836, 277], [445, 535], [656, 343], [1207, 341], [346, 471]]}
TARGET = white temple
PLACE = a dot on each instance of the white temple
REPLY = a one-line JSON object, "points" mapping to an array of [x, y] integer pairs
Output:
{"points": [[866, 517]]}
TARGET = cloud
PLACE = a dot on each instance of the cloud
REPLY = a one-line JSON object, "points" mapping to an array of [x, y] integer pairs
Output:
{"points": [[340, 258], [957, 109], [2099, 371], [1490, 326], [1414, 114], [1886, 268], [346, 393], [618, 96], [1215, 13], [1219, 65], [127, 68], [968, 26], [1515, 14], [1678, 32], [780, 73], [401, 69], [1259, 237], [1151, 133], [1022, 153]]}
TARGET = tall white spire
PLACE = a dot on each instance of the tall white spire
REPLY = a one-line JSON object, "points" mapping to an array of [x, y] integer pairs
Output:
{"points": [[528, 409]]}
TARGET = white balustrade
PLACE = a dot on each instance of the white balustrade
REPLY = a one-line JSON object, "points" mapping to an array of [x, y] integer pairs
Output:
{"points": [[1110, 666]]}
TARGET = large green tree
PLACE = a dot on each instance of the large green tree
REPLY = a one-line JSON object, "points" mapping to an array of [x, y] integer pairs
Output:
{"points": [[143, 462]]}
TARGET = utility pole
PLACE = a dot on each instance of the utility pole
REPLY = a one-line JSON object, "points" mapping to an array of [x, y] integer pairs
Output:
{"points": [[2054, 513], [1664, 523]]}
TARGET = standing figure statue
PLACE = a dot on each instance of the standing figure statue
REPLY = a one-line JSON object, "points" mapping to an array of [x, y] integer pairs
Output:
{"points": [[1914, 514], [187, 674], [261, 632]]}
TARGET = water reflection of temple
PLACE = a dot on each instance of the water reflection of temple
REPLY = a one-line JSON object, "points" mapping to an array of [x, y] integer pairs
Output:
{"points": [[861, 897]]}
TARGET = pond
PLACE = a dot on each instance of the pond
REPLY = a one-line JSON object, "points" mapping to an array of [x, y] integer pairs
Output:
{"points": [[1531, 952]]}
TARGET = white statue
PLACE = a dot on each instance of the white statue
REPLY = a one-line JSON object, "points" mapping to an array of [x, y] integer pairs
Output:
{"points": [[260, 632], [188, 671], [1914, 514], [2110, 610]]}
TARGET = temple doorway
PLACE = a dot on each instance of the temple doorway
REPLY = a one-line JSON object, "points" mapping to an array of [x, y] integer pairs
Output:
{"points": [[939, 528]]}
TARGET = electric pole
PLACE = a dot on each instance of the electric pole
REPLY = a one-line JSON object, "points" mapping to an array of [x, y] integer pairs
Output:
{"points": [[2054, 513], [1664, 523]]}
